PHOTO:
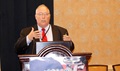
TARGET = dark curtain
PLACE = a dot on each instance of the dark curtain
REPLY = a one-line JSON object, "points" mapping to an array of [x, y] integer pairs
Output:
{"points": [[15, 15]]}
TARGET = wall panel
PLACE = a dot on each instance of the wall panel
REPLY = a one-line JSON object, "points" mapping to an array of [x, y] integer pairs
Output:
{"points": [[93, 25]]}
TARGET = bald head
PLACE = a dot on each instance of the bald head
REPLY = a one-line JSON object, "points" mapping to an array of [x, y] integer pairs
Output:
{"points": [[42, 15], [42, 7]]}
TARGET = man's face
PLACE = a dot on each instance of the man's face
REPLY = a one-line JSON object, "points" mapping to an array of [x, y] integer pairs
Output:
{"points": [[42, 16]]}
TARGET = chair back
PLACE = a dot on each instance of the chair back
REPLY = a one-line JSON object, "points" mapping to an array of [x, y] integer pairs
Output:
{"points": [[97, 67], [116, 67]]}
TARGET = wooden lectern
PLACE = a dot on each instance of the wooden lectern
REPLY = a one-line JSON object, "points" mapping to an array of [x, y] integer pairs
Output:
{"points": [[60, 49]]}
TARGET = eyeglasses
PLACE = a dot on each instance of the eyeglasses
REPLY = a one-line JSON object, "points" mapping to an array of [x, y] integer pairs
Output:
{"points": [[41, 14]]}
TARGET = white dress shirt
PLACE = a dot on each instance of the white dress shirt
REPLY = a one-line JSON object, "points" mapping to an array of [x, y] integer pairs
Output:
{"points": [[48, 31]]}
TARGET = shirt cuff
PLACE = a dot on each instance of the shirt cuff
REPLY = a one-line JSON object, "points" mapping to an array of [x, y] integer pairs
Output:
{"points": [[27, 41]]}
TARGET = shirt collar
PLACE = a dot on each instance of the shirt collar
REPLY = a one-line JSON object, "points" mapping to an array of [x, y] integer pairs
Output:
{"points": [[46, 28]]}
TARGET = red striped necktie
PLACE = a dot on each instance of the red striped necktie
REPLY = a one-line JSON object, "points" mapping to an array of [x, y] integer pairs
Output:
{"points": [[44, 37]]}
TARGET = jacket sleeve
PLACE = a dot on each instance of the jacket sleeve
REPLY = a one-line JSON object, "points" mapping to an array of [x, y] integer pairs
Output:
{"points": [[21, 45], [64, 31]]}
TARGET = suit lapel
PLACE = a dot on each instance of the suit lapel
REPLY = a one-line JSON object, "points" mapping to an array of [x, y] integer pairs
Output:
{"points": [[55, 33], [36, 28]]}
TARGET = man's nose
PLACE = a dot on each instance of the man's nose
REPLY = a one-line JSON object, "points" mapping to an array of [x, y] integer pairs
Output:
{"points": [[43, 16]]}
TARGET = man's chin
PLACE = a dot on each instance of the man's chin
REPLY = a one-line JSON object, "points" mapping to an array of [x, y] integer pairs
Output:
{"points": [[43, 25]]}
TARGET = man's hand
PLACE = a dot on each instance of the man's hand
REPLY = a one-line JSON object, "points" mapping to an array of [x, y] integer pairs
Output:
{"points": [[34, 34], [66, 38]]}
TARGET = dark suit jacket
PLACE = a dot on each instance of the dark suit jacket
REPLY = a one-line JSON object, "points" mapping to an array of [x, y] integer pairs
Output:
{"points": [[21, 45]]}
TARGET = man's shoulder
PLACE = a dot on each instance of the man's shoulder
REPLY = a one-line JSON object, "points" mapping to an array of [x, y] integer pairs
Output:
{"points": [[25, 28], [59, 27], [29, 27]]}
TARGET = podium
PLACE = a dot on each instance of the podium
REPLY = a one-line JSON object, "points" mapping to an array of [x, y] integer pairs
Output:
{"points": [[55, 56]]}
